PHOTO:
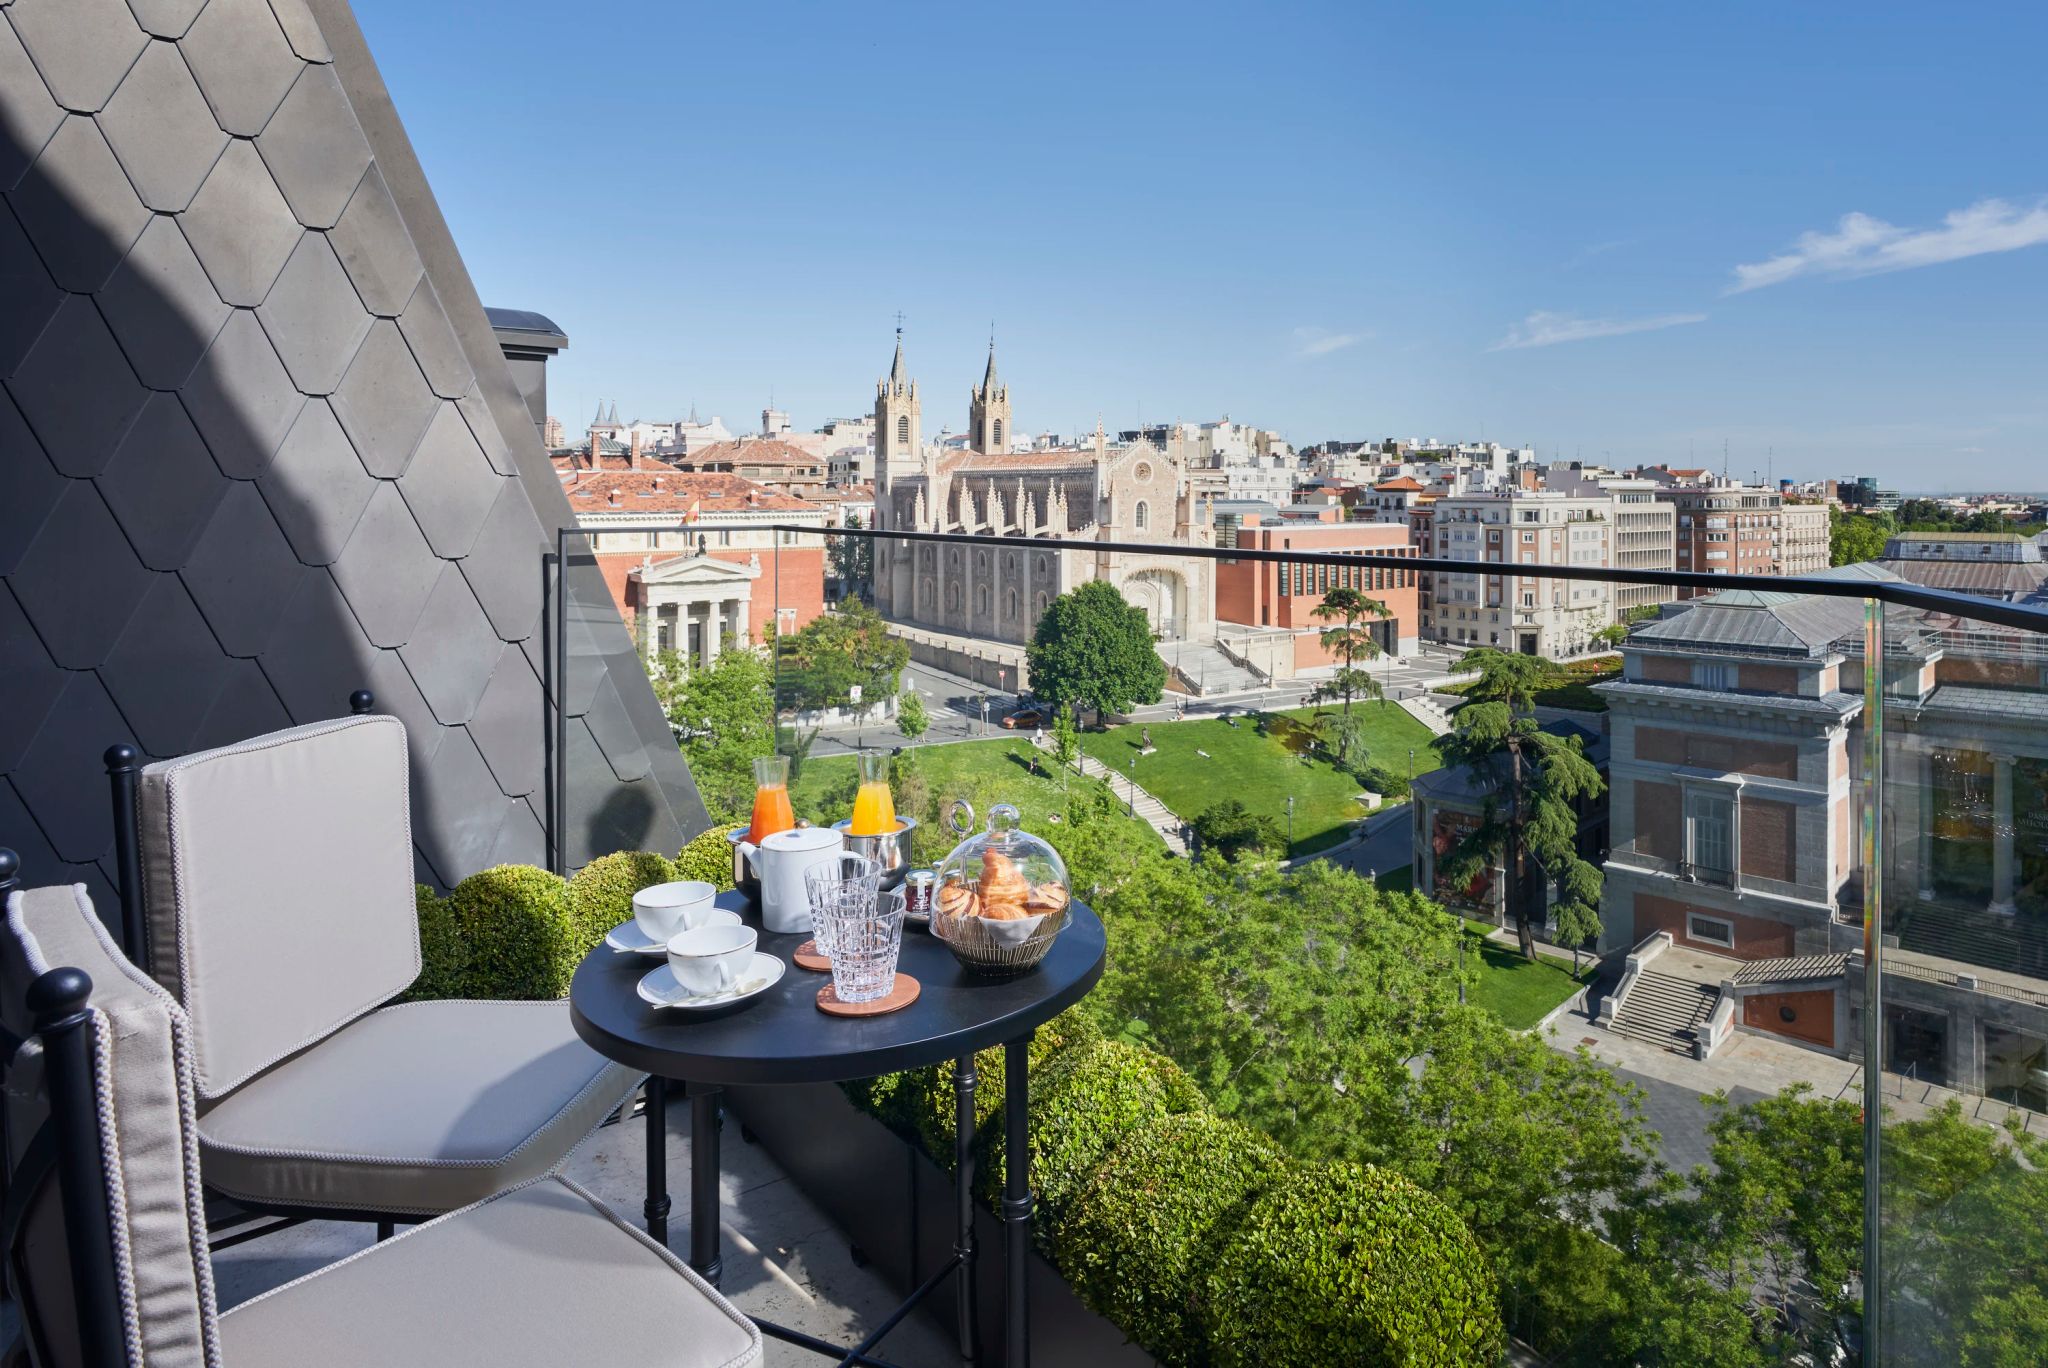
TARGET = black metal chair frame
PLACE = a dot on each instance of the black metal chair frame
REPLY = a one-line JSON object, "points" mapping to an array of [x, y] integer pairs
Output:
{"points": [[66, 1150]]}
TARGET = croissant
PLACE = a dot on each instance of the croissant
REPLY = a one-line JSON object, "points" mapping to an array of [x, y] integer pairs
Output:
{"points": [[1046, 898], [958, 900], [1004, 889]]}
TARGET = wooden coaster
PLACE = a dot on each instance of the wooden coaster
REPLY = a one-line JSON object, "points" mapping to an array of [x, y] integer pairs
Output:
{"points": [[902, 995], [806, 956]]}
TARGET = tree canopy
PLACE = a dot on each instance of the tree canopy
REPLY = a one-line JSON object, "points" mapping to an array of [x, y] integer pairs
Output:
{"points": [[722, 718], [1093, 649], [820, 666]]}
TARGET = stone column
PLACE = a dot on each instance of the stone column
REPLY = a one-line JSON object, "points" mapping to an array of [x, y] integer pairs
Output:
{"points": [[714, 629], [2001, 835]]}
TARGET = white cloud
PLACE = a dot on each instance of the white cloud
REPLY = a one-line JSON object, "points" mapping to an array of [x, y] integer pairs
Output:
{"points": [[1321, 342], [1861, 245], [1548, 329]]}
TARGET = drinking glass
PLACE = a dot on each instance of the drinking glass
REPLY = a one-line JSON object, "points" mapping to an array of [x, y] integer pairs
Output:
{"points": [[865, 942], [846, 881]]}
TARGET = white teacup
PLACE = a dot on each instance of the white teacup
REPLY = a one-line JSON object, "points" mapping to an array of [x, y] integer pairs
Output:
{"points": [[710, 959], [661, 910]]}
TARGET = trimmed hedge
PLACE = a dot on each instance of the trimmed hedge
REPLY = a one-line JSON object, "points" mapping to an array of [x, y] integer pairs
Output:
{"points": [[708, 857], [601, 893], [1137, 1241], [523, 941], [921, 1104], [1088, 1098], [1347, 1263], [444, 954]]}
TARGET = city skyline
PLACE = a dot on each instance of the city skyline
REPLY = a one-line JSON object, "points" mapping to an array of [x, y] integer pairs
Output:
{"points": [[1628, 241]]}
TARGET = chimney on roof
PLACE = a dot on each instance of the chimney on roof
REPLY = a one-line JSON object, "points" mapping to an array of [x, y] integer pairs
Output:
{"points": [[613, 498], [658, 486], [634, 460], [753, 498], [594, 441]]}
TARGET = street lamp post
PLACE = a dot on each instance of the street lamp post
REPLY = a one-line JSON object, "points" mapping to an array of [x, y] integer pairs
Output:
{"points": [[1411, 766], [1290, 824], [982, 699], [1131, 792]]}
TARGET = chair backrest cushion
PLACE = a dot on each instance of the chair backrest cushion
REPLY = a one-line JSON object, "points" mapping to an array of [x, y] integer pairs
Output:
{"points": [[142, 1067], [278, 888]]}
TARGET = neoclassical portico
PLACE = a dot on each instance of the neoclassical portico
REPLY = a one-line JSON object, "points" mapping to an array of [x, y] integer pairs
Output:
{"points": [[692, 603]]}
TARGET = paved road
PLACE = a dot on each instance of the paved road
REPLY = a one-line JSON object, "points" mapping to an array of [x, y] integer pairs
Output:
{"points": [[1679, 1116]]}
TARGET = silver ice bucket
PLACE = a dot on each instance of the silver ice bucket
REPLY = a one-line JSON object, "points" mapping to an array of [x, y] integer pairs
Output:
{"points": [[891, 848]]}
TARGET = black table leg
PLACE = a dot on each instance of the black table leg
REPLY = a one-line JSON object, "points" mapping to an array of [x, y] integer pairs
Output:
{"points": [[704, 1183], [1017, 1201], [655, 1114], [963, 1191]]}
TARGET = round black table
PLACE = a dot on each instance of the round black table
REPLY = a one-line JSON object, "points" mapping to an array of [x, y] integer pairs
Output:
{"points": [[781, 1037]]}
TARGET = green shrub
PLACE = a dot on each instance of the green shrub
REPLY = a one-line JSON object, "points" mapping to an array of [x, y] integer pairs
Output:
{"points": [[708, 857], [522, 939], [601, 893], [1346, 1263], [924, 1104], [1136, 1241], [1087, 1100], [444, 956]]}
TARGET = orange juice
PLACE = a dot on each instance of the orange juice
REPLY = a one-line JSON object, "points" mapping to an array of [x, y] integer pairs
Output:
{"points": [[771, 798], [772, 812], [874, 809]]}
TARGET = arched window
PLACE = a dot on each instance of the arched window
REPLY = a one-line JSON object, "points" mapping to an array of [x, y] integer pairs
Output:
{"points": [[903, 431], [981, 600], [1143, 513], [997, 440], [1010, 604], [1041, 603]]}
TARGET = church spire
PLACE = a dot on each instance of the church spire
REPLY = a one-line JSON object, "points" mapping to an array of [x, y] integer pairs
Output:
{"points": [[989, 382]]}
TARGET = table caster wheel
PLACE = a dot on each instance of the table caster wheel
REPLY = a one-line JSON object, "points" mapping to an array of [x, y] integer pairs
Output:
{"points": [[747, 1134], [858, 1255]]}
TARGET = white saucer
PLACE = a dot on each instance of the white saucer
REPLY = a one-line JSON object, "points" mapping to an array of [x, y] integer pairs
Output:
{"points": [[629, 939], [660, 989]]}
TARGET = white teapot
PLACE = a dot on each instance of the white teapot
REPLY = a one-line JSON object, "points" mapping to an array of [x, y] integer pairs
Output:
{"points": [[780, 862]]}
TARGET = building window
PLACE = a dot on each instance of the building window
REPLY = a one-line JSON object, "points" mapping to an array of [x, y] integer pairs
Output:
{"points": [[1711, 930], [996, 441], [1713, 676], [903, 432], [1710, 834], [1141, 516]]}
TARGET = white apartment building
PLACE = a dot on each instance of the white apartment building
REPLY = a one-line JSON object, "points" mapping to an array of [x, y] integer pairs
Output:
{"points": [[1803, 539], [1645, 529], [1526, 612]]}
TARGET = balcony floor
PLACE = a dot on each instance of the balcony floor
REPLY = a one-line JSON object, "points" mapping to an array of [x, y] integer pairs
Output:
{"points": [[784, 1259]]}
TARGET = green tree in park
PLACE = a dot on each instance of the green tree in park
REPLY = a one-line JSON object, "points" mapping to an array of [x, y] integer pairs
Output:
{"points": [[1611, 636], [853, 562], [1093, 649], [1230, 829], [723, 719], [820, 666], [1529, 826], [1066, 741], [1857, 537], [911, 717], [1343, 735], [1346, 609], [1577, 923]]}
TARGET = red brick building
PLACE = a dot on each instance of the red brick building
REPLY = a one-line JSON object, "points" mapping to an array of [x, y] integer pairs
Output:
{"points": [[717, 517], [1269, 594]]}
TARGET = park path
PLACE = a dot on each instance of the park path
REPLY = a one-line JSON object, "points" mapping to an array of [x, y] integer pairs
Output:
{"points": [[1142, 804]]}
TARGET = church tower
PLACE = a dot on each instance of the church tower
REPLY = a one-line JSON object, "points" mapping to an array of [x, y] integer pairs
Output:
{"points": [[988, 410], [898, 427]]}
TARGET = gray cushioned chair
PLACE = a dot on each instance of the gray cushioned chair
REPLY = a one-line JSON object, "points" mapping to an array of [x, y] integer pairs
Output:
{"points": [[539, 1275], [278, 897]]}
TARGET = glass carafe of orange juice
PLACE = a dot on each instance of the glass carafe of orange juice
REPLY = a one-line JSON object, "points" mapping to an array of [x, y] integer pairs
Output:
{"points": [[772, 812], [874, 807]]}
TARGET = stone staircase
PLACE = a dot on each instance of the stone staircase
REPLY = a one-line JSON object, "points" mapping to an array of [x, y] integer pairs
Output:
{"points": [[1142, 804], [1430, 713], [1664, 1010], [1207, 670]]}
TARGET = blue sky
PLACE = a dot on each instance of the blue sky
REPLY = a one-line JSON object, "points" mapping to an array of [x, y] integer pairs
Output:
{"points": [[1625, 231]]}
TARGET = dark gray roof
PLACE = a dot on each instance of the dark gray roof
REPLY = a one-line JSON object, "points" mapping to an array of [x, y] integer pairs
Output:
{"points": [[1963, 701], [2014, 580], [520, 320]]}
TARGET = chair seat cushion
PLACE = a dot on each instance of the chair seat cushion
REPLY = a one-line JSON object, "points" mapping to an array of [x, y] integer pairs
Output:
{"points": [[415, 1109], [540, 1276]]}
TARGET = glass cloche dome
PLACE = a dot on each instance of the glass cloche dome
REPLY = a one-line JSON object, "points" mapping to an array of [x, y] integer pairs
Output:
{"points": [[1001, 896]]}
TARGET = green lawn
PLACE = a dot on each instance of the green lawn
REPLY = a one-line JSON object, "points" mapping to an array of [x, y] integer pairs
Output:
{"points": [[985, 771], [1262, 770], [1520, 992]]}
